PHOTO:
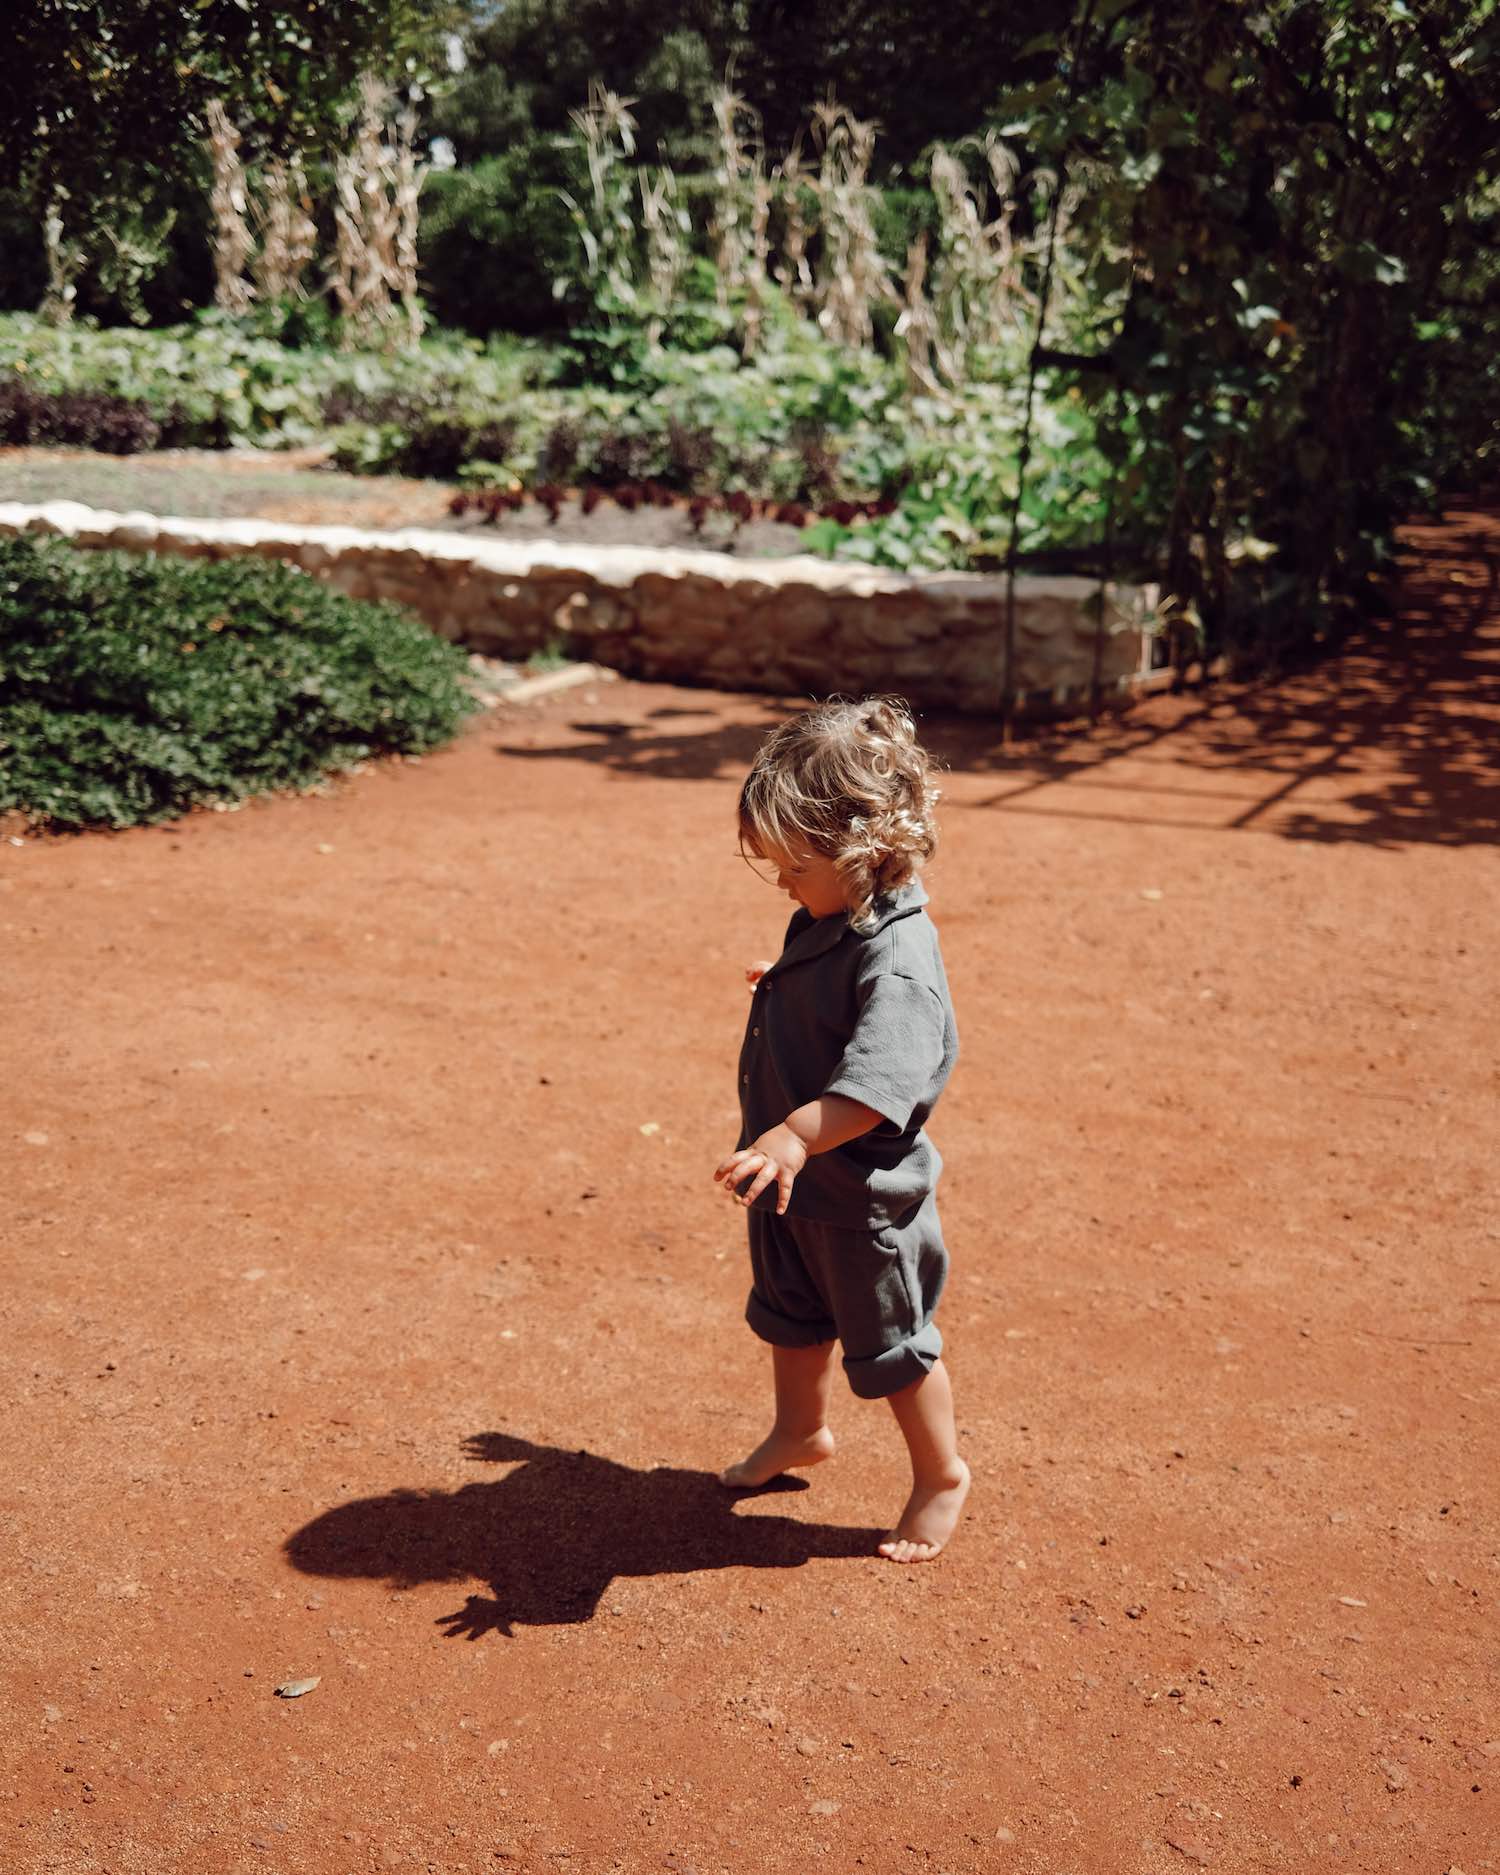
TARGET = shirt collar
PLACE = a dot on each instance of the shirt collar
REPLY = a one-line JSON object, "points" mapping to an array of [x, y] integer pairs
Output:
{"points": [[893, 905], [809, 937]]}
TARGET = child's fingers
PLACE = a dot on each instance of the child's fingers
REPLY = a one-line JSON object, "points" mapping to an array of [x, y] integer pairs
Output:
{"points": [[735, 1171], [769, 1173], [785, 1179], [725, 1167]]}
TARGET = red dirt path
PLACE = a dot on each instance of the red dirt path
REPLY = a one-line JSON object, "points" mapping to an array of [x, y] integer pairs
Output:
{"points": [[358, 1327]]}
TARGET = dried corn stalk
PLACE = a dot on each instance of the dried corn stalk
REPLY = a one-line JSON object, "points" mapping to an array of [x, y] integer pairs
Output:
{"points": [[410, 175], [793, 272], [377, 181], [917, 327], [978, 287], [233, 241], [607, 228], [668, 226], [740, 167], [65, 260], [288, 234], [759, 258], [741, 227], [853, 276]]}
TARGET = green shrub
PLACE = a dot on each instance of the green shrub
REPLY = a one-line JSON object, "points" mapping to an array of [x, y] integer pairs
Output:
{"points": [[495, 237], [134, 688]]}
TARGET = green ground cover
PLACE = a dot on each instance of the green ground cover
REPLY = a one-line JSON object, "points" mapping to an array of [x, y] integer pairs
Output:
{"points": [[134, 688]]}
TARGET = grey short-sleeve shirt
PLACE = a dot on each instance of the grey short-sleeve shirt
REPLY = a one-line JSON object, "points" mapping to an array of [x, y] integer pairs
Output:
{"points": [[864, 1013]]}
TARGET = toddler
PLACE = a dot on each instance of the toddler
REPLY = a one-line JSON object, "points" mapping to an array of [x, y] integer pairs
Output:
{"points": [[849, 1043]]}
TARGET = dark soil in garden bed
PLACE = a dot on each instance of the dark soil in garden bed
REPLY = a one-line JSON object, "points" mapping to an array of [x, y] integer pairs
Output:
{"points": [[291, 485]]}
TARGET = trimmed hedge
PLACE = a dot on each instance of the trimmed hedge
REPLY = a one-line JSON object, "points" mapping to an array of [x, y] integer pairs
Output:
{"points": [[134, 688]]}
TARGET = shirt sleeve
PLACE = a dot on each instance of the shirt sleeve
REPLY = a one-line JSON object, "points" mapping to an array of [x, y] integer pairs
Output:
{"points": [[895, 1054]]}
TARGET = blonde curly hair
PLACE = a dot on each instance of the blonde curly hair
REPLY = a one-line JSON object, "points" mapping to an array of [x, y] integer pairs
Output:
{"points": [[851, 782]]}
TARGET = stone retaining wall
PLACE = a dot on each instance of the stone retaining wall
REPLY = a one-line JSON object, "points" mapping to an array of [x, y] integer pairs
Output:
{"points": [[799, 625]]}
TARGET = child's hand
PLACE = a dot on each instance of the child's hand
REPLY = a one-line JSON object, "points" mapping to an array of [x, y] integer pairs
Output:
{"points": [[754, 972], [776, 1157]]}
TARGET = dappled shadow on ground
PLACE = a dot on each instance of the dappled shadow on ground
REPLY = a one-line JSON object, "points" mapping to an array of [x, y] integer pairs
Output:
{"points": [[1395, 740], [662, 745], [551, 1536]]}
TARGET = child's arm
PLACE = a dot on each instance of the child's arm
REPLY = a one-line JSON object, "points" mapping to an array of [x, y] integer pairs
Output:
{"points": [[781, 1151]]}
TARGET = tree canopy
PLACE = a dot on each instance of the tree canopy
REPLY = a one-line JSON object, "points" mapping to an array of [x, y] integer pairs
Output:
{"points": [[921, 72], [102, 97]]}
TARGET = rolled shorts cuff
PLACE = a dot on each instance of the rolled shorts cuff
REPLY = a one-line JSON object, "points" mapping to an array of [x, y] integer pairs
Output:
{"points": [[782, 1331], [877, 1376]]}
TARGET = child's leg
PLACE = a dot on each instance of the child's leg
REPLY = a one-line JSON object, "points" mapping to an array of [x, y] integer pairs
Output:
{"points": [[800, 1436], [940, 1478]]}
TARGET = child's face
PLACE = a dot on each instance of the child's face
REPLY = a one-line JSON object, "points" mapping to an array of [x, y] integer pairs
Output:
{"points": [[809, 878]]}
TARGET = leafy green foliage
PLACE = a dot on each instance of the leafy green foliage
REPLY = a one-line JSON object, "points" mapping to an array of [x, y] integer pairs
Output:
{"points": [[923, 72], [215, 382], [805, 420], [133, 689], [105, 97], [1278, 210], [494, 239]]}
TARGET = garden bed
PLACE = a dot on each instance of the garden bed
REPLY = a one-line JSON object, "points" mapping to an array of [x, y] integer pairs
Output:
{"points": [[299, 485]]}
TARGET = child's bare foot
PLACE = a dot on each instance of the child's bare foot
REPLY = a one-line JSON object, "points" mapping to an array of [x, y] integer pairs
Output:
{"points": [[930, 1517], [776, 1453]]}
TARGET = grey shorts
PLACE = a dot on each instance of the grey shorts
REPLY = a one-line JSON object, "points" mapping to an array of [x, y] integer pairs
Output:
{"points": [[872, 1290]]}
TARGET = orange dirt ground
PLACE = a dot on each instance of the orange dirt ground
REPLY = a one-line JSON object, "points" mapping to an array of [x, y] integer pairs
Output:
{"points": [[370, 1314]]}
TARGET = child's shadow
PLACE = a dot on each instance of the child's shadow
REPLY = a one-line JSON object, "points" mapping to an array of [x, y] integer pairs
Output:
{"points": [[551, 1536]]}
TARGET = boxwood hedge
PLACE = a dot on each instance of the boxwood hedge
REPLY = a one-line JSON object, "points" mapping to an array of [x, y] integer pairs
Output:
{"points": [[133, 688]]}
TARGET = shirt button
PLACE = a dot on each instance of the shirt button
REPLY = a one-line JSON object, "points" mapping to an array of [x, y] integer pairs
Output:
{"points": [[755, 1031], [746, 1079]]}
